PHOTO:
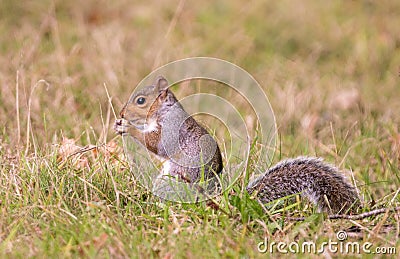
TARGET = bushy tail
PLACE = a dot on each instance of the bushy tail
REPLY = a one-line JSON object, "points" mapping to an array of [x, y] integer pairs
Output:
{"points": [[319, 182]]}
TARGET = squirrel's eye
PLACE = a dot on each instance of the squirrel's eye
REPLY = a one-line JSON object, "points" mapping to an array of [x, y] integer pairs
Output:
{"points": [[141, 100]]}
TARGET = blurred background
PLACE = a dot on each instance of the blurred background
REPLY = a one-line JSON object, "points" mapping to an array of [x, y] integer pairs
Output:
{"points": [[328, 67]]}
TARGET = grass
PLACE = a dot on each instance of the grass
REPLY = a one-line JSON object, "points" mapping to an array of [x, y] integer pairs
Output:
{"points": [[330, 70]]}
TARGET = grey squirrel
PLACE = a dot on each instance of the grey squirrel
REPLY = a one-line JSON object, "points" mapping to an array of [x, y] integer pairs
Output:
{"points": [[154, 117]]}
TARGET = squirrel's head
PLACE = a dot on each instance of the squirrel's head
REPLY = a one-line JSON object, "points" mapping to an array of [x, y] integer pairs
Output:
{"points": [[144, 105]]}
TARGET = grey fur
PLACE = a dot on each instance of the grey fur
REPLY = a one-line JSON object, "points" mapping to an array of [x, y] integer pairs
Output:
{"points": [[319, 182], [186, 144]]}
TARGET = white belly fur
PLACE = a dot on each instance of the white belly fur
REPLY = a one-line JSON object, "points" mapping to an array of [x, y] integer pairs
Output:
{"points": [[152, 126], [166, 167]]}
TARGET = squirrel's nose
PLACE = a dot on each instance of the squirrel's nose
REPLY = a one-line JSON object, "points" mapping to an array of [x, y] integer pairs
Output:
{"points": [[122, 112]]}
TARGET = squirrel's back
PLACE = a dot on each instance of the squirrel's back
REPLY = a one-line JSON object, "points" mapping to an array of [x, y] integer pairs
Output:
{"points": [[319, 182]]}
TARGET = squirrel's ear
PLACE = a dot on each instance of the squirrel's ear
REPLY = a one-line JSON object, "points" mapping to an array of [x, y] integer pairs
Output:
{"points": [[161, 83]]}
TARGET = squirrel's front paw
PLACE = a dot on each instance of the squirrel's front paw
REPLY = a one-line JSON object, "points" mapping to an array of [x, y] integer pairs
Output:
{"points": [[121, 126]]}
